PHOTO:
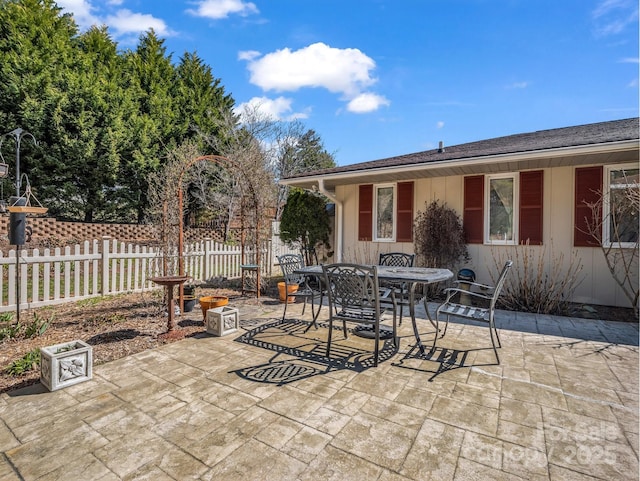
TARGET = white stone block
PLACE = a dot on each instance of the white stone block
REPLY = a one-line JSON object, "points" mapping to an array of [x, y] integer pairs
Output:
{"points": [[65, 364], [222, 320]]}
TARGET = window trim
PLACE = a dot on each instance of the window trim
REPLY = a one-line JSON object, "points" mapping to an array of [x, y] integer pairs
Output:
{"points": [[515, 213], [376, 188], [606, 205]]}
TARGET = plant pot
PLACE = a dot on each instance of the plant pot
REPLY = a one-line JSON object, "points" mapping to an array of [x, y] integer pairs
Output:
{"points": [[65, 364], [222, 320], [209, 302], [189, 302], [291, 289]]}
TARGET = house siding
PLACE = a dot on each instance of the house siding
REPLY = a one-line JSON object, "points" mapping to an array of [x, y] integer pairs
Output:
{"points": [[558, 212]]}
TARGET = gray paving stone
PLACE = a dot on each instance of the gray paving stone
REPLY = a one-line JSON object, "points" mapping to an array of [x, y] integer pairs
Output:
{"points": [[557, 408]]}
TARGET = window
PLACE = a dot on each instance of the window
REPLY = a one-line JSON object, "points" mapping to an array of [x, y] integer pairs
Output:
{"points": [[502, 219], [620, 227], [504, 209], [385, 212]]}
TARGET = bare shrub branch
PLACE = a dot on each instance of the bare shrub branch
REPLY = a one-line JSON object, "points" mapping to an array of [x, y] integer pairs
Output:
{"points": [[616, 213], [540, 283]]}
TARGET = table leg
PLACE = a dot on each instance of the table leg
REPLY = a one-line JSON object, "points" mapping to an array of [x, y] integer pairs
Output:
{"points": [[412, 312]]}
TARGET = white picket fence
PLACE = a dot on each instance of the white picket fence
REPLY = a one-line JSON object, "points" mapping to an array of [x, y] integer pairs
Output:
{"points": [[104, 267]]}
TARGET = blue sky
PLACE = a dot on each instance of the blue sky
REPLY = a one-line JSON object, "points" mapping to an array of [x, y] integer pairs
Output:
{"points": [[379, 78]]}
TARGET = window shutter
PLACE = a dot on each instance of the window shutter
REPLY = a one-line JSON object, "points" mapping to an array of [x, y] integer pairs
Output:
{"points": [[472, 221], [404, 215], [365, 212], [531, 198], [588, 189]]}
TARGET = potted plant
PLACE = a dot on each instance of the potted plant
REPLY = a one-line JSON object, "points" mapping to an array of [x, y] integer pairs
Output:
{"points": [[65, 364]]}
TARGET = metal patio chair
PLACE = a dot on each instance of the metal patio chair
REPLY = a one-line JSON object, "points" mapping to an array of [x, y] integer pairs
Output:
{"points": [[289, 263], [396, 293], [476, 294], [354, 296]]}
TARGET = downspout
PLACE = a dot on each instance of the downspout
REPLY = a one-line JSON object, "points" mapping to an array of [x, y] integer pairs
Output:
{"points": [[338, 223]]}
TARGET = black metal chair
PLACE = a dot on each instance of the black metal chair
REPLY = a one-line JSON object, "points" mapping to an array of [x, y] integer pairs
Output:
{"points": [[289, 263], [354, 296], [396, 293], [473, 293]]}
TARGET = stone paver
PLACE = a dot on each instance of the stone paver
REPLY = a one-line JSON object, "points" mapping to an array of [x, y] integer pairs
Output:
{"points": [[563, 405]]}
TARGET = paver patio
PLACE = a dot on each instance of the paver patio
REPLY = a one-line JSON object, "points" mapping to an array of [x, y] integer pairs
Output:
{"points": [[265, 403]]}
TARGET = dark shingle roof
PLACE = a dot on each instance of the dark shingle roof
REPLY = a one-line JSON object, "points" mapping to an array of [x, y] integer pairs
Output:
{"points": [[598, 133]]}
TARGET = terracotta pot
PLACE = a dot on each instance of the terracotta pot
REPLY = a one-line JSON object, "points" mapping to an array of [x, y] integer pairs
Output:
{"points": [[290, 290], [209, 302]]}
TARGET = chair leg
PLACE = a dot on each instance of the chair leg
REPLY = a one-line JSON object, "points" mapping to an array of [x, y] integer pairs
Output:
{"points": [[286, 303], [437, 326], [446, 324], [377, 347], [396, 341], [492, 329], [329, 337], [495, 351]]}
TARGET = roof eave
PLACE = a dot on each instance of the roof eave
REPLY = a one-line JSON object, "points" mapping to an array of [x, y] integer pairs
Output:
{"points": [[590, 153]]}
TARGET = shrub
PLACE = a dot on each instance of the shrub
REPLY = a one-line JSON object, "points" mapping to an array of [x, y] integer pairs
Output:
{"points": [[439, 237], [538, 285], [305, 223]]}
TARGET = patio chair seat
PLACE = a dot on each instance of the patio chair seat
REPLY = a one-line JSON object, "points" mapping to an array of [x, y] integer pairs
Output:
{"points": [[474, 293], [461, 310]]}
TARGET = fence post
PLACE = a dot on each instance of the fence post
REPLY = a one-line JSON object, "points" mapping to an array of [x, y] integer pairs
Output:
{"points": [[105, 265], [207, 263]]}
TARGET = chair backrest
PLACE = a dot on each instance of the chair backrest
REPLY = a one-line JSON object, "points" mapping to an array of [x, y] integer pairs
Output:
{"points": [[290, 263], [500, 283], [396, 259], [352, 286]]}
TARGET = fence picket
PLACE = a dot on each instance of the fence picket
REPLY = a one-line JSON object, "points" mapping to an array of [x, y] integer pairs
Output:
{"points": [[106, 266]]}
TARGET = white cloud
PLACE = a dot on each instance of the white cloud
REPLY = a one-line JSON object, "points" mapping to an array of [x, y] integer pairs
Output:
{"points": [[612, 17], [630, 60], [633, 84], [439, 124], [248, 55], [345, 71], [217, 9], [278, 109], [518, 85], [366, 102], [122, 23], [126, 22], [81, 11]]}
